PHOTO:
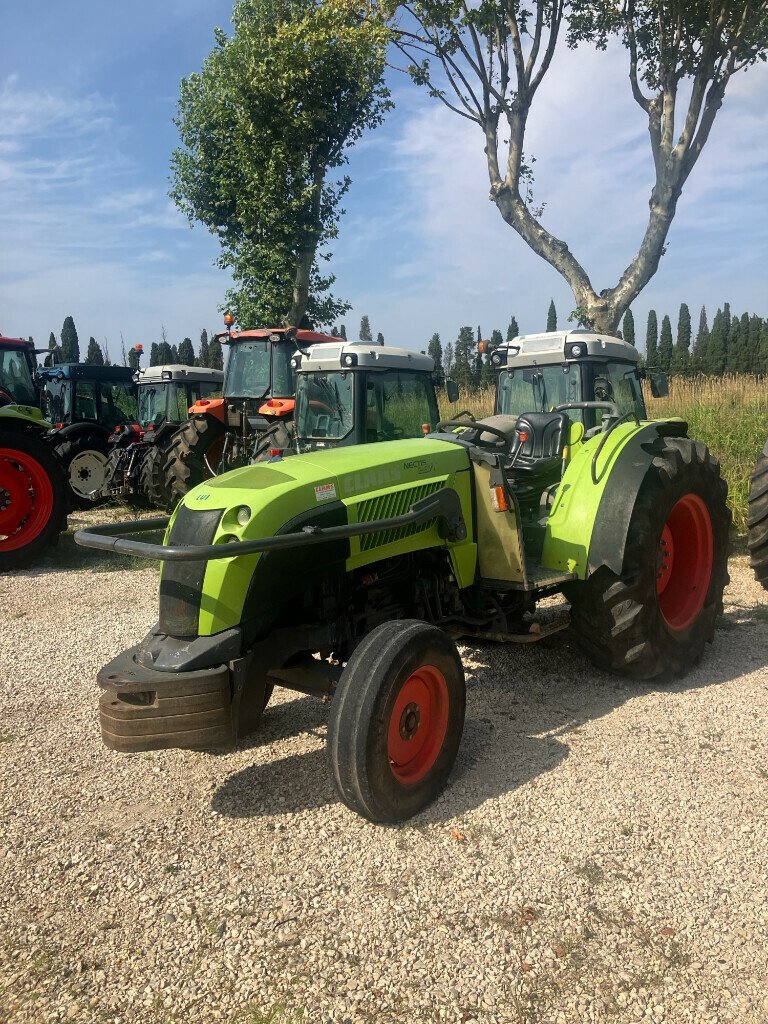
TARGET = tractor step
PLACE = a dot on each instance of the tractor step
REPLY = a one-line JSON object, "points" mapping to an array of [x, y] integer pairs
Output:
{"points": [[541, 578]]}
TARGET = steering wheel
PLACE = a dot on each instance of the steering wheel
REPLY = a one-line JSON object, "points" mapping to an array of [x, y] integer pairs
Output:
{"points": [[317, 406], [503, 443]]}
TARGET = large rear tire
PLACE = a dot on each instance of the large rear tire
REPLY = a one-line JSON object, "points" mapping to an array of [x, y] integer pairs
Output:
{"points": [[33, 498], [396, 721], [193, 454], [655, 618], [84, 459], [757, 523], [152, 478]]}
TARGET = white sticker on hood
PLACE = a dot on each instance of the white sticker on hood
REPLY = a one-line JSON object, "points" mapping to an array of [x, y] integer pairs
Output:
{"points": [[324, 492]]}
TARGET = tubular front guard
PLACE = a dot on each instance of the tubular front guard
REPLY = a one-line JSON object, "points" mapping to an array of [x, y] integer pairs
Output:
{"points": [[444, 505]]}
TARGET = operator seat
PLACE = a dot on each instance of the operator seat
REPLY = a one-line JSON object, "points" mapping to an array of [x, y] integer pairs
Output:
{"points": [[537, 454]]}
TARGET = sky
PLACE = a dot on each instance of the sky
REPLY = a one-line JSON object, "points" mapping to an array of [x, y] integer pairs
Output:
{"points": [[88, 93]]}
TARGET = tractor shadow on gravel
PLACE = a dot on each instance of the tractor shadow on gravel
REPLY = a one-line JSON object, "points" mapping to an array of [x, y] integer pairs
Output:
{"points": [[522, 703]]}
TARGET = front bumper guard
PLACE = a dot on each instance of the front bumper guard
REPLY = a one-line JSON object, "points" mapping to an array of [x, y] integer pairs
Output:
{"points": [[443, 505]]}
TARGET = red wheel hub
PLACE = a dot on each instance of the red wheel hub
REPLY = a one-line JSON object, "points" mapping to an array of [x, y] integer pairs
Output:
{"points": [[26, 499], [684, 562], [418, 725]]}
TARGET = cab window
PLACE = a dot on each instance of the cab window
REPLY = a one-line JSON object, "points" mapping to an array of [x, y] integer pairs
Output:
{"points": [[324, 405], [619, 383], [398, 404], [85, 401], [118, 403], [540, 389]]}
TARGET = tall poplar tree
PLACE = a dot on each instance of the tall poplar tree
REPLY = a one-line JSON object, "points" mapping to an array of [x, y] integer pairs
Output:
{"points": [[665, 343], [204, 357], [681, 356], [365, 330]]}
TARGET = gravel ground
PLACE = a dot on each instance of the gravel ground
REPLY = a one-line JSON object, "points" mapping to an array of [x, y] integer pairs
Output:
{"points": [[600, 855]]}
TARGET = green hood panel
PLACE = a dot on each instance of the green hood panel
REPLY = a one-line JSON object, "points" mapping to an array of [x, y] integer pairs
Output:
{"points": [[372, 481]]}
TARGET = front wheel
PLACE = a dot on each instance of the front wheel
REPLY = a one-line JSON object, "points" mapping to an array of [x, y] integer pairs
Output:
{"points": [[655, 618], [757, 524], [33, 498], [396, 721]]}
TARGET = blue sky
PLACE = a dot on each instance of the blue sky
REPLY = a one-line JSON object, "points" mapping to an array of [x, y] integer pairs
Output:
{"points": [[87, 96]]}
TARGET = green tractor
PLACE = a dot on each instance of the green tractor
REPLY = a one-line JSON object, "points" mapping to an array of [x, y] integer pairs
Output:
{"points": [[138, 451], [351, 573], [33, 487]]}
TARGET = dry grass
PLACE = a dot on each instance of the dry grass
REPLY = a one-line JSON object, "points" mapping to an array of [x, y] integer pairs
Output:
{"points": [[729, 414]]}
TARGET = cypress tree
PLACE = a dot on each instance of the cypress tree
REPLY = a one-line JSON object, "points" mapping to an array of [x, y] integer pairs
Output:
{"points": [[94, 355], [174, 354], [134, 358], [448, 360], [699, 356], [755, 325], [735, 352], [379, 338], [652, 341], [762, 351], [727, 317], [717, 346], [164, 354], [551, 316], [216, 355], [54, 352], [365, 330], [70, 343], [186, 352], [513, 330], [746, 360], [665, 343], [681, 357], [465, 344], [435, 351], [628, 327], [342, 333], [154, 357], [204, 357]]}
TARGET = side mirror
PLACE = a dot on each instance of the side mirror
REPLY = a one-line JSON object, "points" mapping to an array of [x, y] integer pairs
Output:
{"points": [[659, 385], [452, 390]]}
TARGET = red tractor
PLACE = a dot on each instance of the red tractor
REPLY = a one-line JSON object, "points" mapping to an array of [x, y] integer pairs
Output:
{"points": [[33, 487], [255, 414]]}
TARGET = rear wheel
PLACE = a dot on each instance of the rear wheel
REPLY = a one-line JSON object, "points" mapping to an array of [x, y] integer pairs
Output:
{"points": [[757, 524], [84, 459], [33, 499], [193, 455], [396, 721], [152, 477], [655, 618]]}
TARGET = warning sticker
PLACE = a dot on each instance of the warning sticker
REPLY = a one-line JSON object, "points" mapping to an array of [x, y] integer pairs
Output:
{"points": [[325, 491]]}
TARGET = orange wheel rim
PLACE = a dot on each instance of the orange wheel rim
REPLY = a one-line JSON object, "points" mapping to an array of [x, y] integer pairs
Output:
{"points": [[418, 725], [26, 499], [684, 562]]}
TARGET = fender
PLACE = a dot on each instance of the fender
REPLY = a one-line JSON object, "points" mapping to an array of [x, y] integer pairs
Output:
{"points": [[590, 518], [28, 414], [82, 427], [209, 407]]}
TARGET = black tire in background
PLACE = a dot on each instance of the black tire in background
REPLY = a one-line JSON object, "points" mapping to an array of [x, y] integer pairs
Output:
{"points": [[30, 472], [193, 454], [152, 483], [84, 460], [396, 720], [655, 618], [757, 523]]}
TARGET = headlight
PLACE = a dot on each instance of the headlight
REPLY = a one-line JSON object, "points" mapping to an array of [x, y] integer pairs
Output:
{"points": [[243, 515]]}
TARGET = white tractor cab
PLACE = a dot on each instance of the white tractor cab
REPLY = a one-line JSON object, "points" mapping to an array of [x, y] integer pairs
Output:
{"points": [[360, 392], [540, 372]]}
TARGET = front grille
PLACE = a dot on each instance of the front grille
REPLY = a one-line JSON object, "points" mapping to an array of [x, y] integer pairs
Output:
{"points": [[387, 506], [181, 585]]}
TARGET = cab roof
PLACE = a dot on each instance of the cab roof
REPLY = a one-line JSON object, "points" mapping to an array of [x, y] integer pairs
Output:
{"points": [[178, 372], [560, 346], [267, 333], [17, 343], [345, 355], [85, 371]]}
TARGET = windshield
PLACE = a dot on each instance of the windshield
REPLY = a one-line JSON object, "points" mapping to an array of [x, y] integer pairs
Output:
{"points": [[283, 377], [152, 404], [324, 405], [398, 404], [619, 383], [15, 377], [248, 370], [539, 389]]}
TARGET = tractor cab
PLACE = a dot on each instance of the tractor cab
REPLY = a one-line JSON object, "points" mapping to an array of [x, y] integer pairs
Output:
{"points": [[97, 396], [537, 372], [165, 393], [354, 393], [17, 368]]}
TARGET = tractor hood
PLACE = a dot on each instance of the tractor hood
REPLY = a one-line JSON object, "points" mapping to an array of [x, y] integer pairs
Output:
{"points": [[330, 488]]}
